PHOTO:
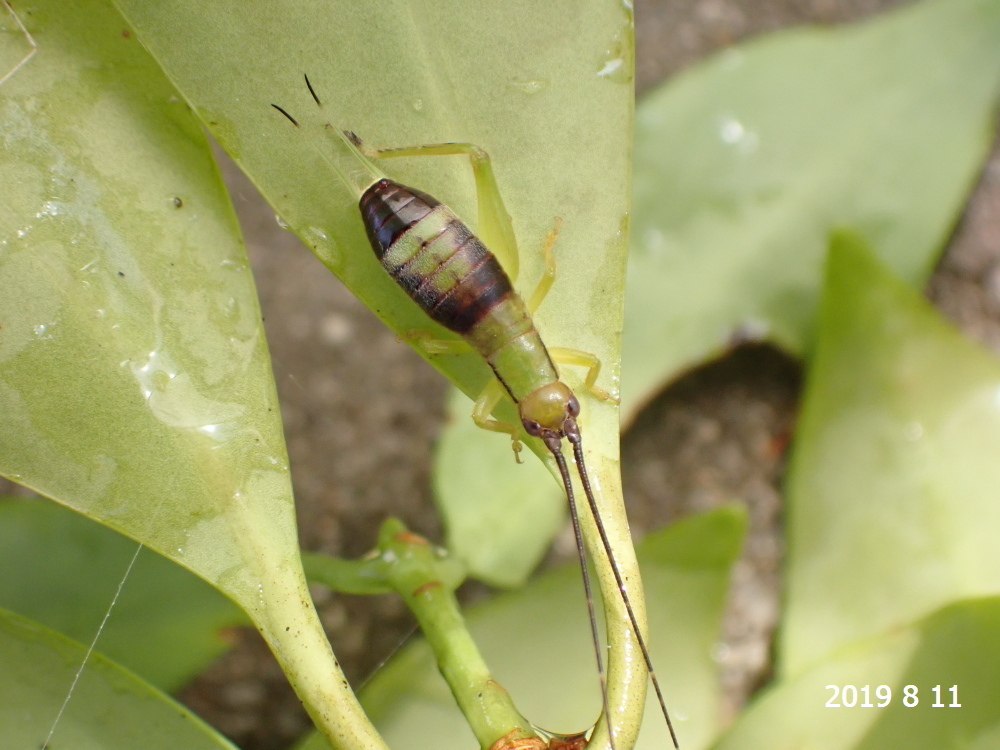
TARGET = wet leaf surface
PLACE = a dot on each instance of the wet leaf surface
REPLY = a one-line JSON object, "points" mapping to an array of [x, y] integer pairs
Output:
{"points": [[135, 381]]}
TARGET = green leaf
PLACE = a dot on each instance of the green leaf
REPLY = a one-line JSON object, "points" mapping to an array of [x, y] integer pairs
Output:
{"points": [[745, 163], [545, 88], [537, 641], [742, 167], [499, 516], [955, 646], [63, 572], [110, 709], [17, 48], [135, 384], [892, 486]]}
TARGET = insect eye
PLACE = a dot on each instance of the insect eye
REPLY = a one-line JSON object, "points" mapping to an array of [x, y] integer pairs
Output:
{"points": [[532, 428], [573, 407]]}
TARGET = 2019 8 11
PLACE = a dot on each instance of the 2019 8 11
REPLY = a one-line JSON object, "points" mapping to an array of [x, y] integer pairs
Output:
{"points": [[848, 696]]}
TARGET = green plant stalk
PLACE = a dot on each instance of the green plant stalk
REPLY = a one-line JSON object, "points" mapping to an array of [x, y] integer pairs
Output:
{"points": [[627, 678], [300, 645], [414, 570], [290, 625], [368, 575], [360, 577]]}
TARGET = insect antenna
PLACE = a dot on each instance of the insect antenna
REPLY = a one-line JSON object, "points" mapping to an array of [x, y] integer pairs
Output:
{"points": [[291, 119], [573, 435], [553, 444], [353, 167], [312, 90]]}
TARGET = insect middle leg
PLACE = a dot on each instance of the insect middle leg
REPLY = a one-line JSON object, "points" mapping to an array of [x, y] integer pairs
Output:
{"points": [[559, 354], [549, 274]]}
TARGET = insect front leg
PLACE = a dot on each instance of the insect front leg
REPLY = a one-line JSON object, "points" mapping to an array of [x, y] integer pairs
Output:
{"points": [[579, 358], [484, 407]]}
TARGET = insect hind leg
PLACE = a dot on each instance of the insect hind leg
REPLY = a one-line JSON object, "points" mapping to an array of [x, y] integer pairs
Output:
{"points": [[495, 227]]}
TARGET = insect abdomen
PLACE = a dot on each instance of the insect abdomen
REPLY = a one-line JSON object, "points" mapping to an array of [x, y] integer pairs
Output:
{"points": [[457, 281], [434, 256]]}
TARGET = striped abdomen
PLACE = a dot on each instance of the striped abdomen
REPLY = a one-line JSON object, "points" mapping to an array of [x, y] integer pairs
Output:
{"points": [[456, 280]]}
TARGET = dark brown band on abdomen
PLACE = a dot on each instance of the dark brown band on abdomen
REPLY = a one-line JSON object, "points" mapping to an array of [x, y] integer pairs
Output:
{"points": [[473, 297], [454, 278], [388, 209]]}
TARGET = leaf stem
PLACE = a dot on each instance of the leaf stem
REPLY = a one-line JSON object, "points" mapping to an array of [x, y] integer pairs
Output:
{"points": [[426, 579]]}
